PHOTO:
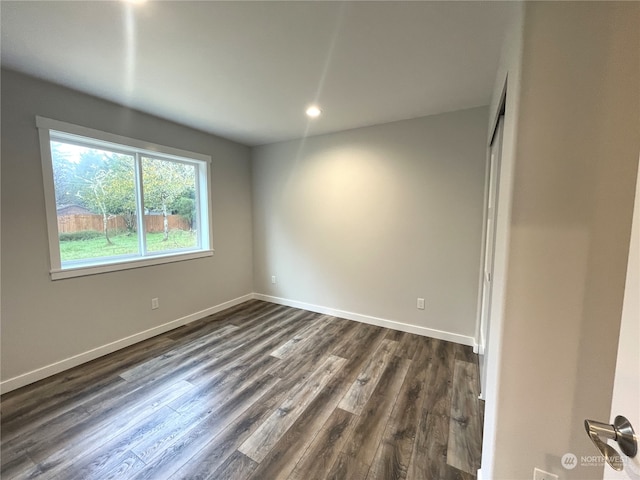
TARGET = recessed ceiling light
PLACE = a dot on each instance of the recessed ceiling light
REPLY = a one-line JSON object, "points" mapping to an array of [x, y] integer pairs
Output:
{"points": [[313, 111]]}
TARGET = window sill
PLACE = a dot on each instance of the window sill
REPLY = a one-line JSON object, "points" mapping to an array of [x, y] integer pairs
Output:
{"points": [[81, 271]]}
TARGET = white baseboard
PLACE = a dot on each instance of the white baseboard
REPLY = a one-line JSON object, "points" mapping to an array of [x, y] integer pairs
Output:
{"points": [[62, 365], [380, 322], [67, 363]]}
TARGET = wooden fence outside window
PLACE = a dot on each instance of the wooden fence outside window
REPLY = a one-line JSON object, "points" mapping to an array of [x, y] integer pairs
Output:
{"points": [[81, 223]]}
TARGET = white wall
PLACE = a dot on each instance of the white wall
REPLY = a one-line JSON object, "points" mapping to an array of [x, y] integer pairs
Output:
{"points": [[368, 220], [44, 321], [575, 149]]}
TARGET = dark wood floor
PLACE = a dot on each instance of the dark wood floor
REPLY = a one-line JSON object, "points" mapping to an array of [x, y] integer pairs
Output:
{"points": [[259, 391]]}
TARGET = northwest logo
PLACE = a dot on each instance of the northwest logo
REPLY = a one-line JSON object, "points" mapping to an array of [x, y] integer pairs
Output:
{"points": [[569, 461]]}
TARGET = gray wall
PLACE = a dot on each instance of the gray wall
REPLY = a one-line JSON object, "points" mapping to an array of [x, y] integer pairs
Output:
{"points": [[46, 321], [367, 220], [574, 156]]}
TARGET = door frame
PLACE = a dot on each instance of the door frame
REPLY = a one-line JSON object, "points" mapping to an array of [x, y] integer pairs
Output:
{"points": [[626, 386], [481, 343], [491, 360]]}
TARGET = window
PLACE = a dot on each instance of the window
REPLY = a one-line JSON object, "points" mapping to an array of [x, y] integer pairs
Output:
{"points": [[114, 202]]}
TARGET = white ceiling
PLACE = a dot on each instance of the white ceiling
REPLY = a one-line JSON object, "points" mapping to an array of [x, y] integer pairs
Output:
{"points": [[247, 70]]}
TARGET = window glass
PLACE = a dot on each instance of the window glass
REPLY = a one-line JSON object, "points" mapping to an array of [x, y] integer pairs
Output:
{"points": [[169, 204], [95, 202]]}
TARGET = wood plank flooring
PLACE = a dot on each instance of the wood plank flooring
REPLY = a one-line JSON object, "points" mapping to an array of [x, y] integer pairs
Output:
{"points": [[261, 392]]}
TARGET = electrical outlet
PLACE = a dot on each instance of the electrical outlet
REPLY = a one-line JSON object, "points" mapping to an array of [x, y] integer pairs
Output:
{"points": [[273, 279], [421, 303], [155, 303], [542, 475]]}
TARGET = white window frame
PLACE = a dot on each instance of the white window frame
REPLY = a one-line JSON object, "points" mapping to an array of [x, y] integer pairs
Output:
{"points": [[140, 148]]}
